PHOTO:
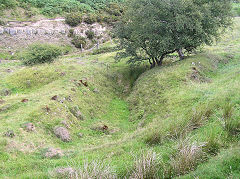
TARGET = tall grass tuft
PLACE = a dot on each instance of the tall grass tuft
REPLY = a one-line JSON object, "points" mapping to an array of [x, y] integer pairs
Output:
{"points": [[199, 117], [188, 156], [93, 170], [147, 167], [96, 169], [231, 123]]}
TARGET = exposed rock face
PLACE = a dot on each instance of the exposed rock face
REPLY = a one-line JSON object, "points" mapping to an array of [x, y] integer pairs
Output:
{"points": [[29, 127], [21, 34], [53, 153], [50, 27], [62, 133]]}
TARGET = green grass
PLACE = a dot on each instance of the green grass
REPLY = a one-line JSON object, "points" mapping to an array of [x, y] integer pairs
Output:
{"points": [[167, 110]]}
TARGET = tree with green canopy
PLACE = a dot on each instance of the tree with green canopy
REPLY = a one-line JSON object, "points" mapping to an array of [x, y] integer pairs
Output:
{"points": [[152, 29]]}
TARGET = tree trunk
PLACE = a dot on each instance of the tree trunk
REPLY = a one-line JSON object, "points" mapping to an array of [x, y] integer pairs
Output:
{"points": [[180, 53], [153, 63], [159, 62]]}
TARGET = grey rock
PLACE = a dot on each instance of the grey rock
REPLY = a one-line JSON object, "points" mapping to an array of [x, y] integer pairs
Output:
{"points": [[6, 30], [12, 31], [63, 31], [29, 31], [62, 133], [40, 31], [29, 127], [1, 31], [19, 31], [34, 31]]}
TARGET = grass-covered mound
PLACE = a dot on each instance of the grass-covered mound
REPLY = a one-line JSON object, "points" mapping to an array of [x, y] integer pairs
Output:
{"points": [[179, 120]]}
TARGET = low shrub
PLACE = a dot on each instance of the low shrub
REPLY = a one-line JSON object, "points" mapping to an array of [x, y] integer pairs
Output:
{"points": [[73, 19], [71, 33], [30, 13], [79, 42], [2, 22], [90, 19], [51, 11], [212, 145], [8, 4], [90, 34], [114, 9], [41, 53]]}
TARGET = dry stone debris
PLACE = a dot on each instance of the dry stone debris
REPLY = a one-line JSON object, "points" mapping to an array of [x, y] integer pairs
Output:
{"points": [[29, 127], [12, 31], [62, 133], [53, 153], [1, 31]]}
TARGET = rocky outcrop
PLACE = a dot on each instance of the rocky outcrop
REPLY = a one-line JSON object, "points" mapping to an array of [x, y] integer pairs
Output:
{"points": [[49, 27]]}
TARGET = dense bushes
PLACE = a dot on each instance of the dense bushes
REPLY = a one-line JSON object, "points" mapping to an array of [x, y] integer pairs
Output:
{"points": [[90, 19], [90, 34], [8, 4], [53, 7], [79, 42], [107, 11], [73, 19], [41, 53]]}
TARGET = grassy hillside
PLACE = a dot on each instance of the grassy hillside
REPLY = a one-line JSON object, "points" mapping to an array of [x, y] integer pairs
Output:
{"points": [[179, 120]]}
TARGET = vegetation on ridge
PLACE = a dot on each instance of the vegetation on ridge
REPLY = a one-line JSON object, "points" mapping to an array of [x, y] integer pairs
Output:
{"points": [[150, 30]]}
